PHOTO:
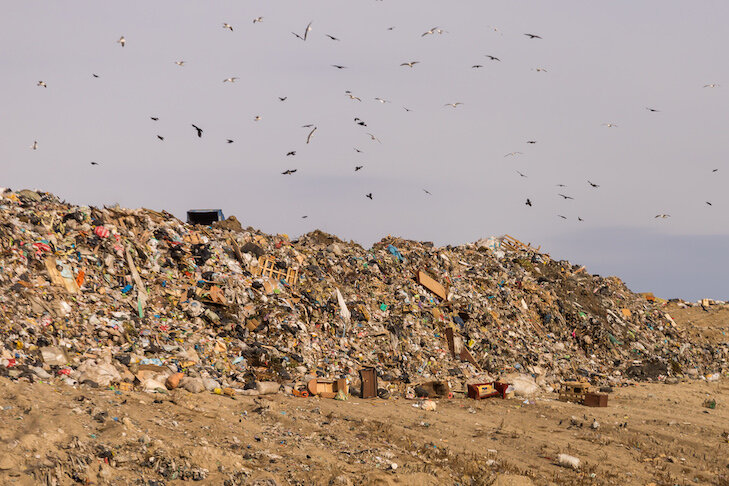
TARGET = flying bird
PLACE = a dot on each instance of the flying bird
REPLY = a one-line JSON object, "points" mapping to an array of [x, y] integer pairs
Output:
{"points": [[306, 32], [428, 192], [199, 130], [563, 217], [431, 31], [358, 167], [540, 70], [561, 185], [154, 118], [715, 170], [609, 125], [308, 138], [565, 197], [579, 219], [94, 163], [374, 138], [352, 97], [307, 126], [520, 174], [122, 41], [257, 118], [293, 152], [593, 184], [227, 26], [454, 105], [257, 19], [42, 83], [228, 140], [712, 85], [95, 75], [161, 137], [331, 37], [476, 66], [360, 122], [282, 99], [381, 100], [532, 36], [510, 154], [357, 150], [304, 217], [35, 145], [230, 80], [338, 66], [651, 109], [708, 203], [180, 63], [493, 58], [664, 216], [289, 171], [369, 195], [528, 202], [410, 64], [531, 141]]}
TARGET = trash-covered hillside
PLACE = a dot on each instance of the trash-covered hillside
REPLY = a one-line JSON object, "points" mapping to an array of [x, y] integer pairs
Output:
{"points": [[92, 294]]}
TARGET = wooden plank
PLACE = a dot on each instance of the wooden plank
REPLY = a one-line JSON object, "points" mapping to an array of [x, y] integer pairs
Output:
{"points": [[429, 283]]}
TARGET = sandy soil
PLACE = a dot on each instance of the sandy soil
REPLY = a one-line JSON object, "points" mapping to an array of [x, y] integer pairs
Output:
{"points": [[652, 433]]}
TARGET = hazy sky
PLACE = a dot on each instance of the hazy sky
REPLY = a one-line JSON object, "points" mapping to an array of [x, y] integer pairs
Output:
{"points": [[605, 64]]}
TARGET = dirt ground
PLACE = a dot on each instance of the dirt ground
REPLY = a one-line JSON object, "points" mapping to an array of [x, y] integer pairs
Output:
{"points": [[709, 323], [651, 433]]}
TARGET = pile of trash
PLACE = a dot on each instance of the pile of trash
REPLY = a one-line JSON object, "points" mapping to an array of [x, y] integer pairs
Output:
{"points": [[134, 298]]}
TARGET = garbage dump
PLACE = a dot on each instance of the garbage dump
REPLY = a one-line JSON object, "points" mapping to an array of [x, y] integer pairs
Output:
{"points": [[136, 298]]}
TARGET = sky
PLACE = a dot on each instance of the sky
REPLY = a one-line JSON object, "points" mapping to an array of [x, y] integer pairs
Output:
{"points": [[596, 64]]}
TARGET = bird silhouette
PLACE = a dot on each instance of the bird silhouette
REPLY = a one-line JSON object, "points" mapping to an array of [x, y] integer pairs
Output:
{"points": [[306, 32], [493, 58], [382, 100], [651, 109], [161, 137], [180, 63], [293, 152], [282, 99], [227, 26], [431, 31], [289, 171], [410, 63], [428, 192], [154, 118], [565, 197], [563, 217], [531, 141], [374, 138], [476, 66], [528, 202], [339, 66], [257, 19], [358, 167], [94, 163], [593, 184], [331, 37], [360, 122], [663, 216], [532, 36], [199, 130], [230, 80], [308, 138], [95, 75], [228, 140], [369, 195], [453, 105], [712, 85], [122, 41], [708, 203], [42, 83], [513, 154], [35, 145], [520, 174]]}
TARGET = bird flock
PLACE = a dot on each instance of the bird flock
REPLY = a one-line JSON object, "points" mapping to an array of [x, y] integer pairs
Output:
{"points": [[311, 129]]}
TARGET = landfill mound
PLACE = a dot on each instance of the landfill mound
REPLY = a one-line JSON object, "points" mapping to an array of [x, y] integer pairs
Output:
{"points": [[127, 297]]}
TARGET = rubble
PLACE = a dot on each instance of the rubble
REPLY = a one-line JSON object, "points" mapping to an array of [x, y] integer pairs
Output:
{"points": [[111, 296]]}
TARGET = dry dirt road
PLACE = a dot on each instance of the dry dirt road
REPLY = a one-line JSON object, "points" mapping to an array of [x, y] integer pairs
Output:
{"points": [[653, 433]]}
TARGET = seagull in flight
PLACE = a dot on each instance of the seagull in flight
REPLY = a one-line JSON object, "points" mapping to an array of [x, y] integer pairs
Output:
{"points": [[565, 197], [664, 216], [282, 98], [358, 167], [35, 145], [707, 202], [428, 192], [510, 154], [374, 138], [353, 97], [230, 80], [154, 118], [338, 66], [293, 152], [593, 184], [199, 130], [431, 31], [528, 202], [122, 41], [454, 105], [712, 85], [579, 219], [95, 75], [531, 141], [308, 138], [42, 83], [289, 171], [94, 163], [257, 19], [520, 174], [307, 126], [561, 185], [410, 64], [476, 66], [360, 122], [540, 70], [161, 137], [532, 36], [332, 37], [381, 100], [610, 125], [493, 58], [180, 63], [369, 195], [257, 118], [715, 170], [228, 140], [227, 26], [306, 32], [563, 217]]}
